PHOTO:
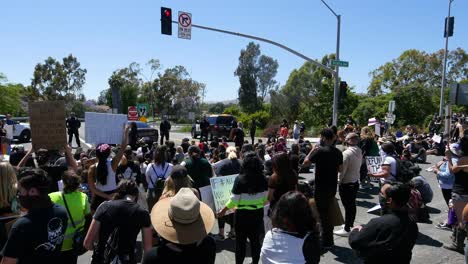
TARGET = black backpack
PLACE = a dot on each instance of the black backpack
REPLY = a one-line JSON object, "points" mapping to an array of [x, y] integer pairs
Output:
{"points": [[112, 252]]}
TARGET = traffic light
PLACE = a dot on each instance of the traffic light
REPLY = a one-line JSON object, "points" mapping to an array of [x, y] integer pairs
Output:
{"points": [[166, 21], [342, 94], [450, 27]]}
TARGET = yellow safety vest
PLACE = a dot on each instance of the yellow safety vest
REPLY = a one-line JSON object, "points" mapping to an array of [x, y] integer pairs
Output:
{"points": [[79, 206]]}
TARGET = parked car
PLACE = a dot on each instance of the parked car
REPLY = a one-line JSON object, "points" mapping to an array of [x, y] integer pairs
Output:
{"points": [[21, 131], [145, 131], [220, 125]]}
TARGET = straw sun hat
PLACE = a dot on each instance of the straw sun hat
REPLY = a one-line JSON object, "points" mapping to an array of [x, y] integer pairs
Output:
{"points": [[182, 219]]}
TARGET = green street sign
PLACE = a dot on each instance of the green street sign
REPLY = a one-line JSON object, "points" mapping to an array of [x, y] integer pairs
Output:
{"points": [[339, 63]]}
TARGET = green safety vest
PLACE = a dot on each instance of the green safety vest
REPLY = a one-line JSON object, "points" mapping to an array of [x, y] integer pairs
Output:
{"points": [[79, 206]]}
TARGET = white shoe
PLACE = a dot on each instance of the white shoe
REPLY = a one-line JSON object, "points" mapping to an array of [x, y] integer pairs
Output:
{"points": [[341, 232]]}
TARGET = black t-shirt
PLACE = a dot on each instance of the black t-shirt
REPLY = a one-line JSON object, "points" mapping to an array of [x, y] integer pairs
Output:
{"points": [[327, 159], [460, 185], [128, 216], [185, 145], [54, 173], [203, 253], [228, 167], [131, 171], [37, 237]]}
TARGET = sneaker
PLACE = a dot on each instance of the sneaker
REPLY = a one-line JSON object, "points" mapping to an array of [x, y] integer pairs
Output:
{"points": [[219, 237], [342, 232], [232, 234], [444, 226]]}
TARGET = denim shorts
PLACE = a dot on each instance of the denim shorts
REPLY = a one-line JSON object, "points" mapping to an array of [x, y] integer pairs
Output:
{"points": [[459, 197]]}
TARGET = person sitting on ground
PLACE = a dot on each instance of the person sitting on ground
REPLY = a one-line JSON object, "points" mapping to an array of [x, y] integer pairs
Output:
{"points": [[119, 220], [391, 237], [418, 152], [183, 223], [176, 181], [179, 156], [198, 168], [294, 237]]}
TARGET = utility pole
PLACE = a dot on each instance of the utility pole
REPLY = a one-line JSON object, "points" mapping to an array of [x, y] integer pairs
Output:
{"points": [[337, 68], [444, 77]]}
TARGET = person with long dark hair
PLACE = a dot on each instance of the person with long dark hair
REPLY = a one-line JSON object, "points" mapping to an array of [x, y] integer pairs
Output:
{"points": [[295, 236], [156, 174], [121, 219], [101, 176], [283, 179], [249, 194]]}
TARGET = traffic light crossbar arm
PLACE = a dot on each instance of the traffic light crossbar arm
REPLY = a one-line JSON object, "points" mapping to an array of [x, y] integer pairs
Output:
{"points": [[267, 41]]}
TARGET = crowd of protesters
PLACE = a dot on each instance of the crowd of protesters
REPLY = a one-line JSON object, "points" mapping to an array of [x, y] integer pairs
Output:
{"points": [[55, 205]]}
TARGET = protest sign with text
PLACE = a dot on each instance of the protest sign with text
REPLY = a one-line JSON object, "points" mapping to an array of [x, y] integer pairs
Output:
{"points": [[374, 165], [47, 121], [221, 188], [104, 128]]}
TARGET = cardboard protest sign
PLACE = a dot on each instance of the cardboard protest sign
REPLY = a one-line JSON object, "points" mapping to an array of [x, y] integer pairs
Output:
{"points": [[47, 121], [374, 165], [206, 195], [104, 128], [221, 188]]}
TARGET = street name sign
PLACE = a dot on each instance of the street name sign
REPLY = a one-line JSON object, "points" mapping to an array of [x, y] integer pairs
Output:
{"points": [[340, 63]]}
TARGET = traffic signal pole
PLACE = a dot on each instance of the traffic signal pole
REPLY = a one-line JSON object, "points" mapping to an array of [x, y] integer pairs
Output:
{"points": [[337, 68], [273, 43]]}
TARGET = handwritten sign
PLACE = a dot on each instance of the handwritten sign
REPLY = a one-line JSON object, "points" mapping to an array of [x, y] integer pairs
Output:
{"points": [[207, 197], [374, 165], [47, 120], [104, 128], [9, 131], [221, 188]]}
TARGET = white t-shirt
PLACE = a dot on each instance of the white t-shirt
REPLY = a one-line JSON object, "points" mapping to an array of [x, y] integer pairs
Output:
{"points": [[390, 161], [111, 183], [153, 172], [280, 248]]}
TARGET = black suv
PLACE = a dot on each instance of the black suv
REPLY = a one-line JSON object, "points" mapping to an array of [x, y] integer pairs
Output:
{"points": [[220, 125]]}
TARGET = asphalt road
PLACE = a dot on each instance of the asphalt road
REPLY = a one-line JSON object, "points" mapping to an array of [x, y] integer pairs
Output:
{"points": [[428, 248]]}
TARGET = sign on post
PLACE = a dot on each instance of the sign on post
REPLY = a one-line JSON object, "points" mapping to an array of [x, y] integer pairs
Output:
{"points": [[390, 118], [221, 188], [185, 25], [143, 111], [391, 106], [47, 121], [374, 165], [104, 128], [340, 63], [132, 113]]}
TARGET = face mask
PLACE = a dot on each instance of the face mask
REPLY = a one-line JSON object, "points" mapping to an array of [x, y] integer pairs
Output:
{"points": [[27, 201]]}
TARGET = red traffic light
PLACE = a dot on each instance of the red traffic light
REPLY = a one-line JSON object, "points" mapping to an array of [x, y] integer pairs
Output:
{"points": [[167, 13]]}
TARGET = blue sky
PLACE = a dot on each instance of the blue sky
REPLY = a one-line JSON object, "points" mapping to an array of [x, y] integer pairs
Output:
{"points": [[106, 35]]}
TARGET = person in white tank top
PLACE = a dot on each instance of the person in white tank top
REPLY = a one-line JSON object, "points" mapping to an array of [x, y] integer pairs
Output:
{"points": [[101, 176]]}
